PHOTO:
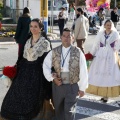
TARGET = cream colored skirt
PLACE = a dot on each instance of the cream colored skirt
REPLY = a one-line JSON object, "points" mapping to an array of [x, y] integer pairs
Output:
{"points": [[104, 91]]}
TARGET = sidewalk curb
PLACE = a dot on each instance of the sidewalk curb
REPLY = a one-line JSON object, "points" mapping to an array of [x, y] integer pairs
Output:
{"points": [[13, 43], [7, 43]]}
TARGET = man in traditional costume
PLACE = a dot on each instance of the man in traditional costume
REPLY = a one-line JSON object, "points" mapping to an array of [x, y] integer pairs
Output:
{"points": [[71, 77]]}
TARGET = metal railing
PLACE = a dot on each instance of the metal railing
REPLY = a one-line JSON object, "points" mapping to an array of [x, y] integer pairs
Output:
{"points": [[9, 25]]}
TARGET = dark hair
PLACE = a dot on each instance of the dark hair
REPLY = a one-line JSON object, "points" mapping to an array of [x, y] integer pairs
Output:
{"points": [[62, 8], [80, 10], [107, 21], [90, 18], [39, 23], [115, 8], [101, 9], [26, 10], [66, 30]]}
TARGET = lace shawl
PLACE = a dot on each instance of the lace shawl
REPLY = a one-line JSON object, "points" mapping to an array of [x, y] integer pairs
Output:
{"points": [[31, 53]]}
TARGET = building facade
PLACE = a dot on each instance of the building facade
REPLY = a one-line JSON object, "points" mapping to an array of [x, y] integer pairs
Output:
{"points": [[14, 8]]}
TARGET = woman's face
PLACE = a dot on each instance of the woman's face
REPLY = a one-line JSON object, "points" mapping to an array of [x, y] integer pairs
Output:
{"points": [[34, 28], [108, 26]]}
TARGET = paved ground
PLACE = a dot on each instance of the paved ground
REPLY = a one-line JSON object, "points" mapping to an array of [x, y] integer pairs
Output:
{"points": [[88, 108]]}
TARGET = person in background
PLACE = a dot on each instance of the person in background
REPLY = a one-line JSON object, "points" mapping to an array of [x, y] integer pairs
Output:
{"points": [[61, 20], [93, 28], [81, 29], [94, 21], [25, 97], [72, 12], [101, 15], [104, 72], [115, 16], [71, 77], [85, 12], [22, 30]]}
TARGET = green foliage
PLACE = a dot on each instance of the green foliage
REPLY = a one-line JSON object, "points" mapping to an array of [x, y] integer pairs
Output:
{"points": [[81, 2], [1, 5], [1, 17], [118, 4], [112, 4]]}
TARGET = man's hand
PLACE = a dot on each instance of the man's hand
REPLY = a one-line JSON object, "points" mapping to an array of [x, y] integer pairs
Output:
{"points": [[57, 81], [81, 93], [54, 75]]}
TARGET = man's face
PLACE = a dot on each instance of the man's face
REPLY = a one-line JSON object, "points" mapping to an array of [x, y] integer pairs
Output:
{"points": [[66, 39]]}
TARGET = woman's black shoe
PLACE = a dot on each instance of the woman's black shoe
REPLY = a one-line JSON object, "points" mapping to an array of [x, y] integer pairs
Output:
{"points": [[105, 101], [102, 99]]}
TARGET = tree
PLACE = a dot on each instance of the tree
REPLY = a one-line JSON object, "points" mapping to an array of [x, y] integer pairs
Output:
{"points": [[112, 4], [80, 2], [4, 7]]}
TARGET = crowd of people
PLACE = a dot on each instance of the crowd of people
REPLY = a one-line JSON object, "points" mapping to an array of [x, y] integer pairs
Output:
{"points": [[59, 75]]}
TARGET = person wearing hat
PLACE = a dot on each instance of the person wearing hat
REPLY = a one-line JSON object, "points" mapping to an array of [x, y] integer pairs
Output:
{"points": [[61, 20], [81, 29]]}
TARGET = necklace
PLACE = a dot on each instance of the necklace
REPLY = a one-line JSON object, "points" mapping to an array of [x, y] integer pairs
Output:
{"points": [[34, 42]]}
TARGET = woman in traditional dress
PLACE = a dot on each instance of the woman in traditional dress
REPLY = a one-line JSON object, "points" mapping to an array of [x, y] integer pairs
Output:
{"points": [[104, 72], [25, 97]]}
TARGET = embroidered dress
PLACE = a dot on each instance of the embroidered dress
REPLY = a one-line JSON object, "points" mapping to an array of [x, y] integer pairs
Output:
{"points": [[104, 73], [25, 97]]}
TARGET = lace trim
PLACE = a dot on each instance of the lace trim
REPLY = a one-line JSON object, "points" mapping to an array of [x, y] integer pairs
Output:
{"points": [[32, 53]]}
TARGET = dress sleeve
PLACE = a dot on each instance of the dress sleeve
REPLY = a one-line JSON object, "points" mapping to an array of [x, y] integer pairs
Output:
{"points": [[117, 42], [47, 65], [87, 25], [83, 76], [96, 45]]}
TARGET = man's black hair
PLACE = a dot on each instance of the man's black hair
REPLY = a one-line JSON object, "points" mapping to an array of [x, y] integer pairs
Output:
{"points": [[80, 10], [66, 29]]}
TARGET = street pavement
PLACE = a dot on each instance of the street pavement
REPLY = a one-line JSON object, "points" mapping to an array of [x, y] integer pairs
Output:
{"points": [[87, 108]]}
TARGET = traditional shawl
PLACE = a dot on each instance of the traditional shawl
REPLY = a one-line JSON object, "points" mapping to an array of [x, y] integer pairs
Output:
{"points": [[31, 53]]}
